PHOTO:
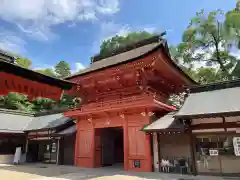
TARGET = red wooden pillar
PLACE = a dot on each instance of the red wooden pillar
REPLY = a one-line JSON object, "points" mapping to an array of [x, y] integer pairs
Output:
{"points": [[76, 146], [93, 148], [148, 153], [125, 140]]}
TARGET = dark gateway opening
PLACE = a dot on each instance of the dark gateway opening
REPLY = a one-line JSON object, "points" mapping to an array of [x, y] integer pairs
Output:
{"points": [[112, 146]]}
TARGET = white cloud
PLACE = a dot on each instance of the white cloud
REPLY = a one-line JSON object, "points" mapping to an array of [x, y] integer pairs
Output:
{"points": [[11, 43], [150, 29], [38, 17], [110, 29], [79, 66]]}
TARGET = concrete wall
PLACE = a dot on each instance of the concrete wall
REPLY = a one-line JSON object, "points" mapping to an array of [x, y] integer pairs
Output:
{"points": [[8, 159], [171, 147], [175, 146]]}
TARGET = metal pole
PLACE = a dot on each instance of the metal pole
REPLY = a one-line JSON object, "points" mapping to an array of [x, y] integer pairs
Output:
{"points": [[58, 148], [26, 146], [26, 149]]}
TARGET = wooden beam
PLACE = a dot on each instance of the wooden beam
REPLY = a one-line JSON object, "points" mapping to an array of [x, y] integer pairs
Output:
{"points": [[209, 115], [215, 125], [224, 122]]}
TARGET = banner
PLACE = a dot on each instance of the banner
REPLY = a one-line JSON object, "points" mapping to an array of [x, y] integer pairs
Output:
{"points": [[236, 145]]}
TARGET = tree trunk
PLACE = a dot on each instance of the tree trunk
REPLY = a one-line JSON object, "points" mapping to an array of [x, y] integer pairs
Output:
{"points": [[222, 67]]}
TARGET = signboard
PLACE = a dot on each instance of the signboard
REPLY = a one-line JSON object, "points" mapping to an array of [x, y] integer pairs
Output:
{"points": [[236, 145], [136, 163], [213, 152], [54, 147]]}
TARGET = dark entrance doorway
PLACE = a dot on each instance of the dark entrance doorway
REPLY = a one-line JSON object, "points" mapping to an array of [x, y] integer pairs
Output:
{"points": [[67, 145], [44, 151], [111, 146]]}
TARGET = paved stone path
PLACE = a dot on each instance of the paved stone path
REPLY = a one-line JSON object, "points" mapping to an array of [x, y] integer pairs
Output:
{"points": [[53, 172], [115, 174]]}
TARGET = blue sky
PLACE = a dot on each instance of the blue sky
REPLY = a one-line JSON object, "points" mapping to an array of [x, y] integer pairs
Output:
{"points": [[48, 31]]}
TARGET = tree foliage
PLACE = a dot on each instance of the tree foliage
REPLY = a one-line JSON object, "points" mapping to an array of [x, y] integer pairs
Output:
{"points": [[232, 24], [205, 41], [17, 101], [205, 50], [23, 62], [119, 41], [62, 69], [69, 101], [177, 100]]}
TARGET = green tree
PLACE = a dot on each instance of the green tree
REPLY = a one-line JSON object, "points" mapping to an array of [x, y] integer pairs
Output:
{"points": [[17, 101], [47, 71], [43, 104], [206, 75], [62, 69], [69, 101], [205, 40], [232, 24], [201, 75], [24, 62], [177, 100], [118, 41]]}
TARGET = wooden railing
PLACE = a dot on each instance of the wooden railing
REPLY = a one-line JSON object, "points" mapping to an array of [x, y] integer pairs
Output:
{"points": [[124, 102]]}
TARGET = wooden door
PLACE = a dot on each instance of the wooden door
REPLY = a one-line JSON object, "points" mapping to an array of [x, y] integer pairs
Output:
{"points": [[98, 148], [107, 147]]}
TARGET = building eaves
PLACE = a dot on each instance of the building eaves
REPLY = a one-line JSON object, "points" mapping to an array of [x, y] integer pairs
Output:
{"points": [[214, 86], [33, 75], [130, 53], [4, 56], [221, 102]]}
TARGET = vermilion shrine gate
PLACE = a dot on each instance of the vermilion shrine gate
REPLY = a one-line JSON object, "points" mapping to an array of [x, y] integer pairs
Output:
{"points": [[123, 91]]}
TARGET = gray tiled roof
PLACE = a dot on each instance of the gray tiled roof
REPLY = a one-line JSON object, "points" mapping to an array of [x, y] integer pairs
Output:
{"points": [[69, 130], [119, 58], [47, 122], [4, 56], [211, 102], [17, 122], [13, 123], [165, 123]]}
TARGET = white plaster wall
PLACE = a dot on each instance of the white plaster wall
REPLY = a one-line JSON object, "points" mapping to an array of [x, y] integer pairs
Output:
{"points": [[6, 159]]}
